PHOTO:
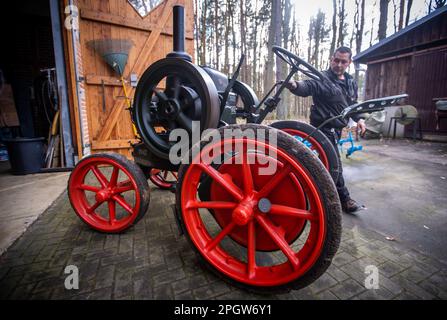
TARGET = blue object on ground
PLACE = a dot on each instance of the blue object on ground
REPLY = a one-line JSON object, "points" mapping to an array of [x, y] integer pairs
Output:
{"points": [[353, 148]]}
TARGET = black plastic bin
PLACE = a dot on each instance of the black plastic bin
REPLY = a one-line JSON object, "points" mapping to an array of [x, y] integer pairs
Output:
{"points": [[26, 155]]}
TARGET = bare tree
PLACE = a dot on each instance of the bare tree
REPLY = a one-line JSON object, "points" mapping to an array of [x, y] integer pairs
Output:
{"points": [[401, 14], [395, 8], [216, 31], [342, 23], [407, 18], [268, 70], [243, 42], [283, 108], [318, 32], [359, 34], [334, 28], [383, 19], [436, 5]]}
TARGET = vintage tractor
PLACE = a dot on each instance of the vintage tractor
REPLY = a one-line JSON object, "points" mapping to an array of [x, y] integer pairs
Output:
{"points": [[265, 230]]}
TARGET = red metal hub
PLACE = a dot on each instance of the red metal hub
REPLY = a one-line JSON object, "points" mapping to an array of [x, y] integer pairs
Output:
{"points": [[243, 213]]}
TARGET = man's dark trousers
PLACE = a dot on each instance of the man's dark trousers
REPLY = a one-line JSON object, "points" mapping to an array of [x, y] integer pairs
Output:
{"points": [[334, 136]]}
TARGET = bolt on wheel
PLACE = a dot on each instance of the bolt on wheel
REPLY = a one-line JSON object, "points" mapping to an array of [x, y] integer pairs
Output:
{"points": [[250, 230], [108, 192]]}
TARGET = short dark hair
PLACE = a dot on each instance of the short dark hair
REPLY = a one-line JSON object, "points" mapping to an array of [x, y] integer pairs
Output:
{"points": [[344, 49]]}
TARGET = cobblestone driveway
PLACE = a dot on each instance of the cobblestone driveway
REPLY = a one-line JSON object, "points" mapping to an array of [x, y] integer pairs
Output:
{"points": [[151, 261]]}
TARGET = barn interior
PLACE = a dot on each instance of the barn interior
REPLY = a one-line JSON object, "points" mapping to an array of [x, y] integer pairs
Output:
{"points": [[30, 100]]}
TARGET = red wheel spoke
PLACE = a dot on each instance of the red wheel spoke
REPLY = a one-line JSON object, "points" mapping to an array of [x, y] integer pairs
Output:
{"points": [[228, 185], [210, 205], [247, 176], [93, 207], [89, 188], [251, 250], [114, 177], [100, 176], [292, 212], [122, 202], [175, 175], [213, 243], [124, 184], [123, 189], [112, 212], [277, 178], [279, 240]]}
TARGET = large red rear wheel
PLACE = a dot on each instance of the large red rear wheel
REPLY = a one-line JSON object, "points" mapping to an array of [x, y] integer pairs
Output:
{"points": [[318, 143], [108, 192], [250, 229]]}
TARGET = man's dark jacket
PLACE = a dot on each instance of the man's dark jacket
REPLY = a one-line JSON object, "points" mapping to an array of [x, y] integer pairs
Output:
{"points": [[330, 97]]}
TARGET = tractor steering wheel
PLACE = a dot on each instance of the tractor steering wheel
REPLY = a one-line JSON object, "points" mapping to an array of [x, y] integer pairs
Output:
{"points": [[298, 63]]}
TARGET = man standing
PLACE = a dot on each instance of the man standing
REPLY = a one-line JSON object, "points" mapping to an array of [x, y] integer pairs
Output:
{"points": [[330, 98]]}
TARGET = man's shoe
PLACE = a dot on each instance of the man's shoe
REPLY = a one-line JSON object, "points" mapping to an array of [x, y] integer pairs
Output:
{"points": [[350, 206]]}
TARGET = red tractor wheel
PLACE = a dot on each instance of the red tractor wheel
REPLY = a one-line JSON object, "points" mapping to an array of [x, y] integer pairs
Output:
{"points": [[108, 192], [318, 143], [250, 230], [163, 179]]}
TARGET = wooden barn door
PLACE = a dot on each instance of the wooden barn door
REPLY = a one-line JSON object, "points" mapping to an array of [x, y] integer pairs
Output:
{"points": [[102, 108], [428, 81]]}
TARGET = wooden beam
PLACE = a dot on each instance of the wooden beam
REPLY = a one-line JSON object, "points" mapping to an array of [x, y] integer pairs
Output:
{"points": [[120, 21], [138, 68], [409, 54], [113, 144], [97, 80], [74, 94]]}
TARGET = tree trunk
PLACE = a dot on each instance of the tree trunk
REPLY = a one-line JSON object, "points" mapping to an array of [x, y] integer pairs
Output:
{"points": [[196, 30], [216, 32], [268, 73], [277, 30], [383, 19], [284, 107], [341, 27], [203, 33], [359, 36], [401, 14], [243, 39], [407, 19], [395, 15], [254, 75], [227, 39], [334, 29]]}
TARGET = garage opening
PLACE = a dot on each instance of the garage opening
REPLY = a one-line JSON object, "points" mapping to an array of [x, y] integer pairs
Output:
{"points": [[33, 90]]}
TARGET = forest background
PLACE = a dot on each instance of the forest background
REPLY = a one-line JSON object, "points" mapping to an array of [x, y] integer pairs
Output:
{"points": [[312, 29]]}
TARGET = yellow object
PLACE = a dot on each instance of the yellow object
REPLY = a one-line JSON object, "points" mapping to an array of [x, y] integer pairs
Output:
{"points": [[55, 124], [129, 104]]}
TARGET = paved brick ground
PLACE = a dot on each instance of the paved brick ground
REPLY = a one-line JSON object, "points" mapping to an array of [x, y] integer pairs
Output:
{"points": [[151, 261]]}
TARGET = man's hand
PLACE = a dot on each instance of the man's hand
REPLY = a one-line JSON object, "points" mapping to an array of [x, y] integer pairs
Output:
{"points": [[361, 125], [292, 85]]}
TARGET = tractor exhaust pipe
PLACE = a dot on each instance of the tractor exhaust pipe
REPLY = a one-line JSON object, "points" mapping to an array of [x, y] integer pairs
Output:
{"points": [[179, 35]]}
